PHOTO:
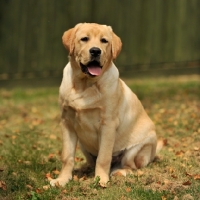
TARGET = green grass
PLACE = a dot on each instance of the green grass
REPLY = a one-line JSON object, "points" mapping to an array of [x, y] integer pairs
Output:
{"points": [[30, 146]]}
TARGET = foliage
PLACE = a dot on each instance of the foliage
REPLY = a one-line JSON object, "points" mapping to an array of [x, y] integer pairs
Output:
{"points": [[30, 146], [31, 32]]}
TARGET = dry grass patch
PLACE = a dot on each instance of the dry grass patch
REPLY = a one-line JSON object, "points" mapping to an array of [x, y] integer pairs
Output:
{"points": [[30, 146]]}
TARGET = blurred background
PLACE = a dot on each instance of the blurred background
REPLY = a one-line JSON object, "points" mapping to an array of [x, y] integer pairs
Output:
{"points": [[160, 37]]}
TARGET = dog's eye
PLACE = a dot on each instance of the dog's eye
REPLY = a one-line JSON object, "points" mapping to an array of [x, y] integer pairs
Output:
{"points": [[84, 39], [103, 40]]}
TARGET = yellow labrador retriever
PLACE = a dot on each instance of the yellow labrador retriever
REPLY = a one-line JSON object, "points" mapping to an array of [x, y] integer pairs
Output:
{"points": [[98, 108]]}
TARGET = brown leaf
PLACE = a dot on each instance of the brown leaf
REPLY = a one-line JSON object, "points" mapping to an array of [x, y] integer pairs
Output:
{"points": [[187, 183], [78, 159], [53, 137], [64, 191], [166, 181], [52, 157], [75, 178], [83, 178], [29, 187], [38, 190], [48, 176], [171, 170], [197, 177], [46, 187], [173, 176], [36, 122], [196, 148], [128, 189], [180, 153], [3, 185], [140, 172], [163, 198], [165, 142], [188, 174], [118, 174]]}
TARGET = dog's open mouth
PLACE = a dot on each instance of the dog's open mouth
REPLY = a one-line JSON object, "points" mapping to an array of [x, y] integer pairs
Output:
{"points": [[93, 68]]}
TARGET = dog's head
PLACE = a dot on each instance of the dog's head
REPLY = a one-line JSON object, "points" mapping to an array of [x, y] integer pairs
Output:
{"points": [[93, 47]]}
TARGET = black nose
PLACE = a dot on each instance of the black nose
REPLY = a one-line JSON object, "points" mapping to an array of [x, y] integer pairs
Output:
{"points": [[95, 52]]}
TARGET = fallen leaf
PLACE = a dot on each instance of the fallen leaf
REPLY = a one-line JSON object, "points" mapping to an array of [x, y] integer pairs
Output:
{"points": [[38, 190], [75, 178], [180, 153], [52, 157], [188, 174], [46, 187], [13, 137], [186, 183], [3, 185], [36, 122], [128, 189], [171, 170], [48, 176], [53, 137], [173, 176], [187, 197], [170, 149], [197, 177], [165, 142], [29, 187], [196, 148], [64, 191], [166, 181], [34, 110], [83, 178], [175, 198], [78, 159], [118, 174], [163, 198], [140, 172]]}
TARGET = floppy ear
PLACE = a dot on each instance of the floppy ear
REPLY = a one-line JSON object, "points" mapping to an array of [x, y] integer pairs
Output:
{"points": [[68, 38], [116, 45]]}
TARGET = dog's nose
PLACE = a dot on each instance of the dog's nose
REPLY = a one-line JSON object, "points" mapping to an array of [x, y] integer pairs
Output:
{"points": [[95, 52]]}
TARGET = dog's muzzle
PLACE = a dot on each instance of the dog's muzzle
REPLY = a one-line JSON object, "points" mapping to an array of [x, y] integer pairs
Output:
{"points": [[93, 68]]}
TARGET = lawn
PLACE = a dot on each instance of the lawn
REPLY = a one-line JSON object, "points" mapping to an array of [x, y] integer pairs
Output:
{"points": [[30, 146]]}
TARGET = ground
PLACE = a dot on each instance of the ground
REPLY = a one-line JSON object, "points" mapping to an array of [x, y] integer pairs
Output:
{"points": [[30, 145]]}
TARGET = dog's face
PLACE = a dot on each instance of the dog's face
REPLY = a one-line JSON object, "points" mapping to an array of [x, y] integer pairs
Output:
{"points": [[93, 47]]}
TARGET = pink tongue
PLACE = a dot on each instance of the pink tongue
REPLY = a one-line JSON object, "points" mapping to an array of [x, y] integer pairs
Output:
{"points": [[94, 70]]}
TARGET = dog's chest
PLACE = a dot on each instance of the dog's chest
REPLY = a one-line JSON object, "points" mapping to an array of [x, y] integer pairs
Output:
{"points": [[86, 124]]}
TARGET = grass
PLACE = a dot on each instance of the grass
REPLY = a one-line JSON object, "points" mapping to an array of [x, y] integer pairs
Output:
{"points": [[30, 146]]}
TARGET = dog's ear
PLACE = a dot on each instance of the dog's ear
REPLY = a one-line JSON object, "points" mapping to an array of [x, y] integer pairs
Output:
{"points": [[68, 38], [116, 45]]}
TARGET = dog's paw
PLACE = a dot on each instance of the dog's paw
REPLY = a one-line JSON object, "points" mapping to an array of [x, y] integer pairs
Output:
{"points": [[59, 182], [121, 172], [102, 181]]}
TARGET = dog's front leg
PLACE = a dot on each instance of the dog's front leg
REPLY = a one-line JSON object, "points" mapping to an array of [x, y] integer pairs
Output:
{"points": [[68, 154], [103, 162]]}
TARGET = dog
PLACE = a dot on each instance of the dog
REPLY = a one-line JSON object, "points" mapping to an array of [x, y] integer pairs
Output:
{"points": [[99, 110]]}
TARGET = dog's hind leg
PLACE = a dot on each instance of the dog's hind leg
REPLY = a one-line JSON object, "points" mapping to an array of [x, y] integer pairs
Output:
{"points": [[136, 157]]}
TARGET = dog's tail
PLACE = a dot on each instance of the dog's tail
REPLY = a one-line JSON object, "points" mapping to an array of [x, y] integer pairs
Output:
{"points": [[160, 144]]}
